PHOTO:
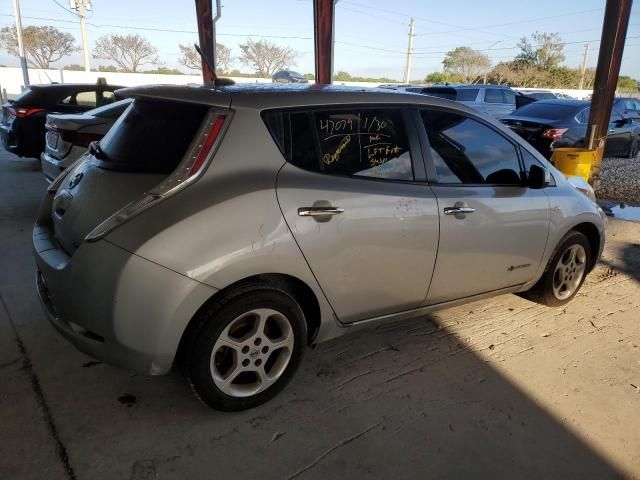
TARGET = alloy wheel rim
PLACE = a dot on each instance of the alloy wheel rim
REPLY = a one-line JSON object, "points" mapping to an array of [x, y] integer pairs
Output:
{"points": [[569, 271], [252, 352]]}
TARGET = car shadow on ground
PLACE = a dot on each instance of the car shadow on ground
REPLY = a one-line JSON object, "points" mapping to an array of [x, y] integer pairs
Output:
{"points": [[405, 400], [628, 261]]}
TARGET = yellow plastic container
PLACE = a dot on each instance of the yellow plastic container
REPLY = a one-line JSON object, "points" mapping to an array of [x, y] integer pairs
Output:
{"points": [[574, 162]]}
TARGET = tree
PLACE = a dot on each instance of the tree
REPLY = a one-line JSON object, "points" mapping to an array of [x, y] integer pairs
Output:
{"points": [[627, 84], [129, 52], [191, 59], [502, 73], [266, 58], [466, 62], [74, 67], [545, 51], [42, 45], [440, 77]]}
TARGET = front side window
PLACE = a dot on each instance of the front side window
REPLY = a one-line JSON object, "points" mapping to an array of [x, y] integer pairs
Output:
{"points": [[467, 151], [356, 142]]}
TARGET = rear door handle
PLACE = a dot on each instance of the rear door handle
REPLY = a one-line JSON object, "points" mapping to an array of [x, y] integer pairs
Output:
{"points": [[458, 210], [319, 211]]}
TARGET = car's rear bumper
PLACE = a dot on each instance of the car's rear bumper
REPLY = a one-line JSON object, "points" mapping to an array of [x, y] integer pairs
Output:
{"points": [[9, 140], [51, 166], [113, 305]]}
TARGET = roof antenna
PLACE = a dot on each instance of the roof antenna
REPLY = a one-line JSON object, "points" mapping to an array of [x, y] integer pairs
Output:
{"points": [[217, 81]]}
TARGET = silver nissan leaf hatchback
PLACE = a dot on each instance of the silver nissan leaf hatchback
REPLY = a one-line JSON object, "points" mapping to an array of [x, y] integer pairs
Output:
{"points": [[227, 229]]}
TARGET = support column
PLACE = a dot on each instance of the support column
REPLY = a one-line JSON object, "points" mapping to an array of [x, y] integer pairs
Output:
{"points": [[323, 29]]}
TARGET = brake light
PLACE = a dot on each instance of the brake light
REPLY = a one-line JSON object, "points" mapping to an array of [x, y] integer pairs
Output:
{"points": [[206, 146], [79, 138], [554, 133], [24, 112]]}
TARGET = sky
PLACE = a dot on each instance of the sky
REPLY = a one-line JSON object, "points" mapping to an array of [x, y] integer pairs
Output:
{"points": [[371, 35]]}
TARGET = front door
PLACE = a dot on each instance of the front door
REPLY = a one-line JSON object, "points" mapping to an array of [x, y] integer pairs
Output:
{"points": [[618, 136], [493, 229], [367, 229]]}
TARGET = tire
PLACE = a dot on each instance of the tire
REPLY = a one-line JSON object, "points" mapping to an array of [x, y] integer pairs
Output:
{"points": [[245, 348], [564, 274]]}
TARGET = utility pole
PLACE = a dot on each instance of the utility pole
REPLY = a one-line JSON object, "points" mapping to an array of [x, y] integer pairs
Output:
{"points": [[407, 67], [584, 64], [83, 6], [23, 60]]}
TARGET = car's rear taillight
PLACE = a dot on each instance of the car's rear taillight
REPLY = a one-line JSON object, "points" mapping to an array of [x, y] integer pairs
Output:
{"points": [[20, 112], [554, 133], [192, 166], [206, 146]]}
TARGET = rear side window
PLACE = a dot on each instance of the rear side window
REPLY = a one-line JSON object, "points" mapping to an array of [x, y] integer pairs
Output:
{"points": [[493, 95], [356, 142], [467, 94], [86, 99], [466, 151], [151, 136], [549, 111]]}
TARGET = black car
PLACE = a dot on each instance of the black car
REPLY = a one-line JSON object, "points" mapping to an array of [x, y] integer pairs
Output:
{"points": [[288, 76], [23, 119], [551, 124], [628, 107]]}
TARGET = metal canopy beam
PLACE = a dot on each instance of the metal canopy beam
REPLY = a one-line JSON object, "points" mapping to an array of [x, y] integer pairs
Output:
{"points": [[205, 38], [614, 32], [323, 32]]}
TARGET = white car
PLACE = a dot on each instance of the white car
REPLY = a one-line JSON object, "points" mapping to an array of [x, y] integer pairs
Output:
{"points": [[68, 135]]}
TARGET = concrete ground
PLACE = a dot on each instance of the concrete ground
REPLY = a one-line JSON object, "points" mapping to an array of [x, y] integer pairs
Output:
{"points": [[501, 388]]}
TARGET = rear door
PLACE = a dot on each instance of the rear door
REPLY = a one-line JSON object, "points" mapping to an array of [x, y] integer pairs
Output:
{"points": [[350, 195], [499, 102], [493, 229]]}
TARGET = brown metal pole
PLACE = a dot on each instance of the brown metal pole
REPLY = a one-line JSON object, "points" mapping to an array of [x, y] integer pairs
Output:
{"points": [[205, 38], [323, 15], [614, 32]]}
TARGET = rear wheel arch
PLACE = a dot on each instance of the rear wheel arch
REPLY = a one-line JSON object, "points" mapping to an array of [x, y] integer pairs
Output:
{"points": [[296, 288]]}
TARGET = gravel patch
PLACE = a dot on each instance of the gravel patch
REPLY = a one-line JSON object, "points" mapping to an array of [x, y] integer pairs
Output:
{"points": [[620, 180]]}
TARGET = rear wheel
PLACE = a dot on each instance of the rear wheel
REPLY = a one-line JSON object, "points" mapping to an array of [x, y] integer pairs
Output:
{"points": [[245, 348], [565, 272]]}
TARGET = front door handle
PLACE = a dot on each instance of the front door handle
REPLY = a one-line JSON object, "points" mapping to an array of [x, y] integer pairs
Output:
{"points": [[458, 210], [319, 211]]}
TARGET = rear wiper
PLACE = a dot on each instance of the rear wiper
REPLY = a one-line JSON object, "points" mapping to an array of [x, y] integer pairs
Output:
{"points": [[96, 150]]}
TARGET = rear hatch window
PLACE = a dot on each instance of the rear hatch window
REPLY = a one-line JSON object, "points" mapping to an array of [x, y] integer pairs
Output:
{"points": [[141, 149], [151, 137], [548, 111]]}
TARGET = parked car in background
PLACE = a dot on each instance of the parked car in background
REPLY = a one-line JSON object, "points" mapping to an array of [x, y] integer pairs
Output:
{"points": [[494, 100], [551, 124], [69, 135], [267, 219], [627, 107], [288, 76], [22, 128], [540, 94]]}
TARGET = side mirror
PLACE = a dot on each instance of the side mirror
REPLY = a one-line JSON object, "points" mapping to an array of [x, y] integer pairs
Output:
{"points": [[537, 177]]}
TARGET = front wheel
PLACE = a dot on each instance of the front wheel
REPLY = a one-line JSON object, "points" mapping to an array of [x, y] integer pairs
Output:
{"points": [[246, 348], [565, 272]]}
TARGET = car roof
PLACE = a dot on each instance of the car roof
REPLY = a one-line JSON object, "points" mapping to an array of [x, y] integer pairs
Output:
{"points": [[70, 86], [273, 95]]}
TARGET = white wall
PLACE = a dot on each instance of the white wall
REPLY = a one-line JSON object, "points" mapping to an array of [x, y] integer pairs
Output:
{"points": [[11, 78]]}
